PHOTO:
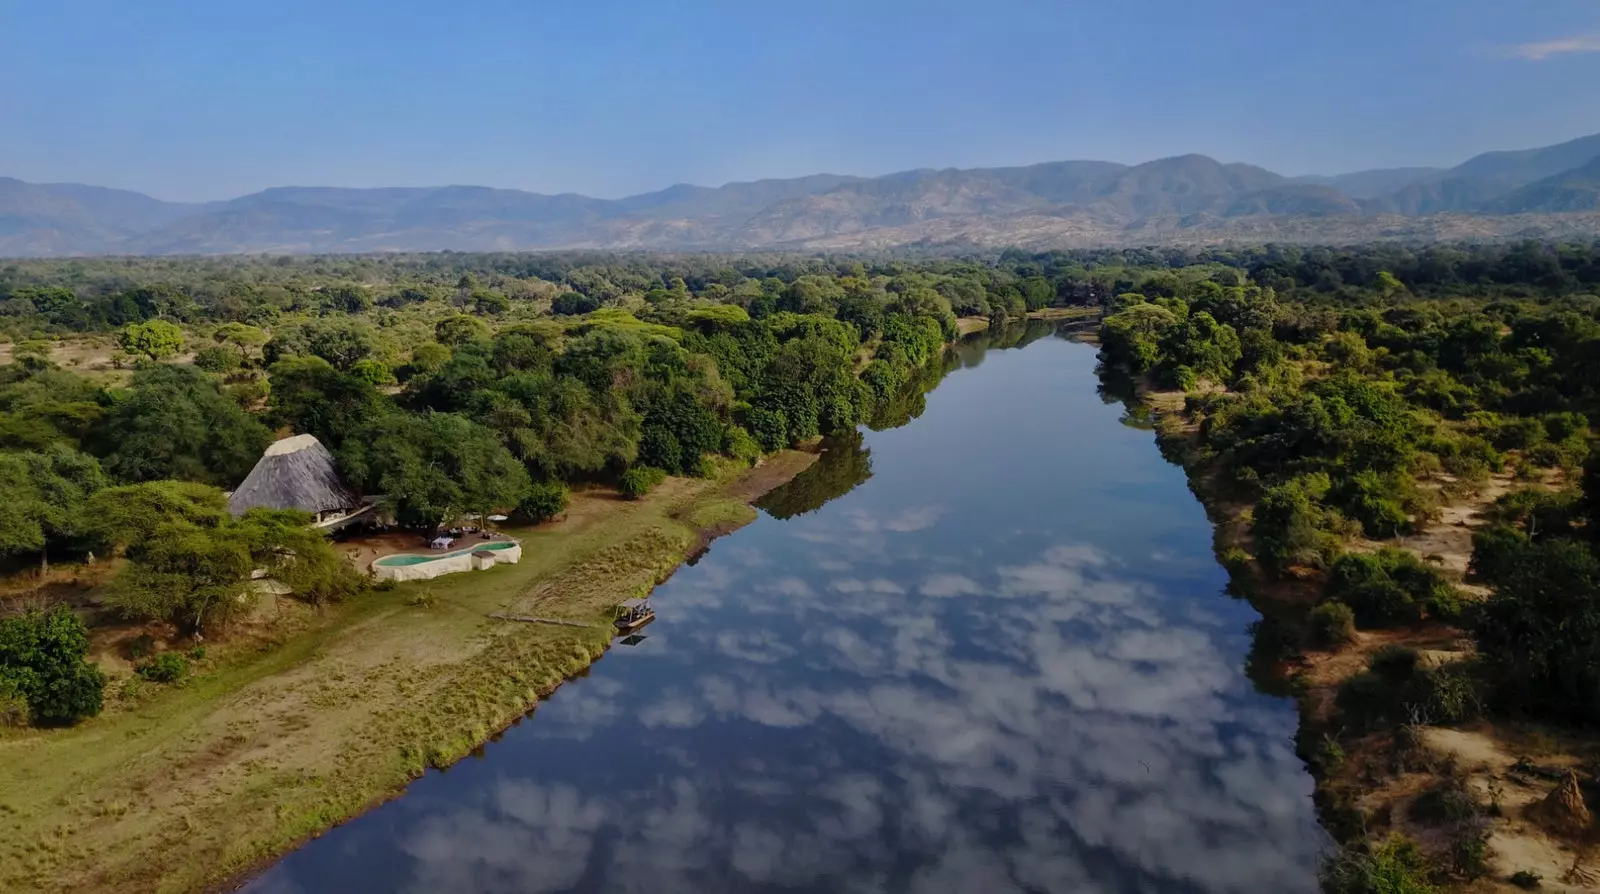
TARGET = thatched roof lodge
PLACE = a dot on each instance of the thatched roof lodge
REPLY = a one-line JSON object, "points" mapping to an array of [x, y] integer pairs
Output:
{"points": [[298, 473]]}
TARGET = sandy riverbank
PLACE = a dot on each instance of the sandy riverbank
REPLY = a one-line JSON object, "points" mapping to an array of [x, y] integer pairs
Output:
{"points": [[1367, 786]]}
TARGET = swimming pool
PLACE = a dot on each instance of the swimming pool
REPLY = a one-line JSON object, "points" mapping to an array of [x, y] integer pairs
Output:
{"points": [[413, 559]]}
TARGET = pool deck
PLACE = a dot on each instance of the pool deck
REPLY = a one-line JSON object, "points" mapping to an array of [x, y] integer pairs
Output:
{"points": [[465, 558]]}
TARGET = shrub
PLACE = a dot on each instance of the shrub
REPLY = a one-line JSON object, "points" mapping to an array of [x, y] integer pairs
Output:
{"points": [[639, 480], [704, 467], [217, 359], [13, 705], [1292, 528], [1333, 624], [770, 428], [1395, 664], [42, 660], [1391, 587], [1366, 700], [545, 500], [167, 667], [1395, 866], [1526, 880], [1452, 693], [737, 443], [1469, 851], [1539, 634], [1446, 801]]}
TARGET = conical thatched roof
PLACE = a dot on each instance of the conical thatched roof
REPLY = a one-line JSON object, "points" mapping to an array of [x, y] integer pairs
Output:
{"points": [[294, 473]]}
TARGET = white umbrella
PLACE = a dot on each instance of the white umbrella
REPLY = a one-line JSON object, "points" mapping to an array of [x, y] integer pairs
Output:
{"points": [[497, 518]]}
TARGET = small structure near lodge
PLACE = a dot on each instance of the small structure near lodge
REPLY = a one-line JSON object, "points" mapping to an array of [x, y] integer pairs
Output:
{"points": [[298, 473]]}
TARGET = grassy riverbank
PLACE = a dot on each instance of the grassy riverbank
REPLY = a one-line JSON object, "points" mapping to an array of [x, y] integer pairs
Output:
{"points": [[1484, 779], [320, 717]]}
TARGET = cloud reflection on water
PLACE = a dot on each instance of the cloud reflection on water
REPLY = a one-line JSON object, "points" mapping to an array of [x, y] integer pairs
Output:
{"points": [[936, 684], [1087, 745]]}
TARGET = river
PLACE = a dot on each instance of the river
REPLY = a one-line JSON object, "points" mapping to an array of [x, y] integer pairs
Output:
{"points": [[1002, 660]]}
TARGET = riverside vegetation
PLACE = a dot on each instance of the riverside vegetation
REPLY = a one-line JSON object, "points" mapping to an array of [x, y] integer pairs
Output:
{"points": [[1340, 398], [163, 728], [1396, 450]]}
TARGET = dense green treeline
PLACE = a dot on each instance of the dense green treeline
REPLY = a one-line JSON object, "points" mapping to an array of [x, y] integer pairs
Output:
{"points": [[453, 403], [1362, 417], [44, 298]]}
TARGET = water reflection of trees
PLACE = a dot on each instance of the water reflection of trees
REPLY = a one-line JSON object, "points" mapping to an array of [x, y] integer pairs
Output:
{"points": [[845, 463]]}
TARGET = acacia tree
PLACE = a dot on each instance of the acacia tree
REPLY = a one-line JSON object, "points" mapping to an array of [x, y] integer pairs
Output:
{"points": [[45, 499], [153, 340]]}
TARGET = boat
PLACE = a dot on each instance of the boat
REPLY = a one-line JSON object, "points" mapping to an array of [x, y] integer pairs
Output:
{"points": [[633, 614]]}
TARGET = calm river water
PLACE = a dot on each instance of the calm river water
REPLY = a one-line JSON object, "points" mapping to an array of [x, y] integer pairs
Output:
{"points": [[1002, 661]]}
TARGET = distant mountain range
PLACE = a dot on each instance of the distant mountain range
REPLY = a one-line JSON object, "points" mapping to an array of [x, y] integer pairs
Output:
{"points": [[1553, 191]]}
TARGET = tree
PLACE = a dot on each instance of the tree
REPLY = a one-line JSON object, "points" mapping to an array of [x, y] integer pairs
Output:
{"points": [[1131, 339], [175, 422], [42, 658], [311, 397], [46, 495], [1539, 634], [242, 338], [217, 359], [349, 298], [545, 500], [460, 330], [434, 468], [571, 304], [492, 303], [190, 562], [155, 340]]}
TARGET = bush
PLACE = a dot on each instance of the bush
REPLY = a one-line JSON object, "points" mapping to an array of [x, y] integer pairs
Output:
{"points": [[546, 500], [42, 660], [1396, 866], [738, 444], [639, 480], [1452, 693], [1391, 587], [1469, 851], [1291, 527], [770, 428], [1539, 634], [1446, 801], [1366, 701], [13, 705], [168, 667], [217, 359], [1395, 664], [704, 467], [1526, 880], [1333, 624]]}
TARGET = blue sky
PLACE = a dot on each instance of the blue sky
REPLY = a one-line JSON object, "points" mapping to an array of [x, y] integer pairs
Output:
{"points": [[192, 101]]}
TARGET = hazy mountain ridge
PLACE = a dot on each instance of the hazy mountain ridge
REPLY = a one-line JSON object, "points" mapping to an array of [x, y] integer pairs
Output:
{"points": [[1549, 190]]}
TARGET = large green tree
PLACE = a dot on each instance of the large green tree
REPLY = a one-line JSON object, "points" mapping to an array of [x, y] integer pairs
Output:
{"points": [[176, 422]]}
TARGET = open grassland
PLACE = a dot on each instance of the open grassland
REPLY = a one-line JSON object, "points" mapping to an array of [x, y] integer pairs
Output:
{"points": [[185, 788]]}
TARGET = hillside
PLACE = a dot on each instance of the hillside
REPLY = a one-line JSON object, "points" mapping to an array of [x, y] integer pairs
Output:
{"points": [[1190, 198]]}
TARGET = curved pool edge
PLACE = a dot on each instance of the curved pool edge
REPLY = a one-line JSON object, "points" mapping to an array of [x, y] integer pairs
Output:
{"points": [[499, 552]]}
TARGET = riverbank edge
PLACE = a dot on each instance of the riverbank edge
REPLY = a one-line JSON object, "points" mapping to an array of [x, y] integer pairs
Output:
{"points": [[128, 820], [747, 488], [1311, 677]]}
